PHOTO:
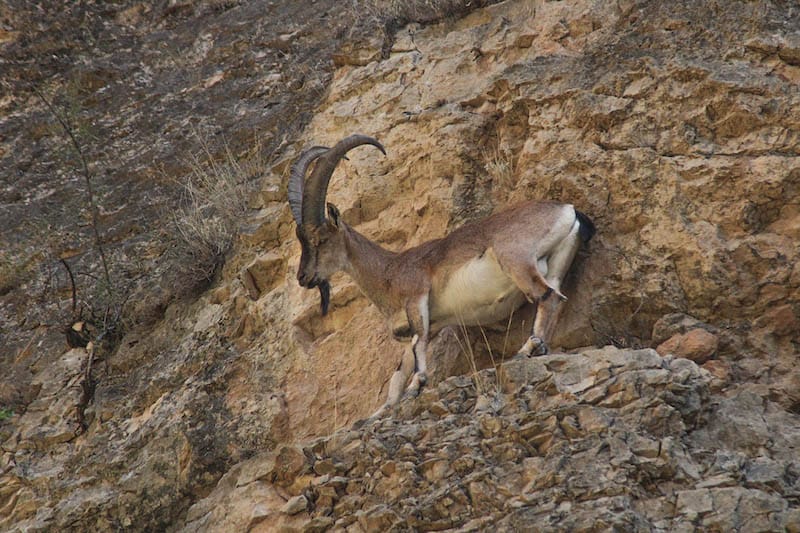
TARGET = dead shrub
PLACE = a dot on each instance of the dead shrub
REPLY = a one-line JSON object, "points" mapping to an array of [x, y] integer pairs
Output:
{"points": [[216, 196]]}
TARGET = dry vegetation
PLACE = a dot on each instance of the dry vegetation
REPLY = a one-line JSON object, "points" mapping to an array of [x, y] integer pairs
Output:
{"points": [[216, 196], [500, 168]]}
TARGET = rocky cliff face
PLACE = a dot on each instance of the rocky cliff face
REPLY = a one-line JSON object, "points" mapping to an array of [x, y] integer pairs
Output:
{"points": [[603, 440], [674, 126]]}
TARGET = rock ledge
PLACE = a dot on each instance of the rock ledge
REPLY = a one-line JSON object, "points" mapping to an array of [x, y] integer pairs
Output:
{"points": [[618, 438]]}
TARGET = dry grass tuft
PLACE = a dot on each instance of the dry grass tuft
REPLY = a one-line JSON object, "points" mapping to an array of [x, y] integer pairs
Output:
{"points": [[483, 386], [500, 167], [216, 198]]}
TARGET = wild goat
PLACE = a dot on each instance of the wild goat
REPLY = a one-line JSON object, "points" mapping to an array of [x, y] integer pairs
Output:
{"points": [[478, 274]]}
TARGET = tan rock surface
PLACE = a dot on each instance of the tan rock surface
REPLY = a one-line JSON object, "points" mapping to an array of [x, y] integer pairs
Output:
{"points": [[683, 156], [560, 448]]}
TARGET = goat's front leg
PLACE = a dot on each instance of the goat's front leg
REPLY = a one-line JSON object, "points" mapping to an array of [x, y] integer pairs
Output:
{"points": [[552, 301], [398, 380], [413, 362], [418, 314]]}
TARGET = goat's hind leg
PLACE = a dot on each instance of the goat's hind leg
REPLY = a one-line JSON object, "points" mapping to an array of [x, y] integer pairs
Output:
{"points": [[551, 304], [524, 272], [527, 277]]}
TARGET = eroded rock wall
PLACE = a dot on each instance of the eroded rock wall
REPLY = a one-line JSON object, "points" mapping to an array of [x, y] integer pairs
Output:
{"points": [[675, 128], [605, 439]]}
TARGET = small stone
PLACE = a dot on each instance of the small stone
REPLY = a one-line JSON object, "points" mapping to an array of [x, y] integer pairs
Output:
{"points": [[721, 372], [289, 462], [674, 323], [525, 40], [765, 474], [435, 469], [483, 403], [325, 466], [793, 520], [377, 518], [338, 482], [320, 480], [255, 469], [272, 193], [790, 51], [404, 40], [439, 408], [490, 425], [571, 428], [259, 513], [696, 344], [388, 468], [326, 497], [347, 506], [464, 464], [295, 505], [592, 419], [763, 44], [780, 320], [407, 450], [644, 447], [694, 502], [266, 228], [720, 480], [318, 524], [517, 374]]}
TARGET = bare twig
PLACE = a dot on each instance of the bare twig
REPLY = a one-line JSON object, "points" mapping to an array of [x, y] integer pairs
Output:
{"points": [[89, 189], [72, 284]]}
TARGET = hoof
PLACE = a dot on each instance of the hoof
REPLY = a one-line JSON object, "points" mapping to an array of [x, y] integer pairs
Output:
{"points": [[417, 382], [380, 413], [538, 347], [533, 347], [412, 391], [410, 394]]}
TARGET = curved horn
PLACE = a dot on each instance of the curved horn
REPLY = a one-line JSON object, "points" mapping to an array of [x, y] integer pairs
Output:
{"points": [[313, 208], [297, 177]]}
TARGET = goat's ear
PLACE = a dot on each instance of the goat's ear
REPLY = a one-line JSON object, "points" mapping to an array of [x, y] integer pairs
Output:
{"points": [[333, 215]]}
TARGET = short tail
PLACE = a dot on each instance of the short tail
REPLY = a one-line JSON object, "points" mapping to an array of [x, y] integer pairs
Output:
{"points": [[586, 228]]}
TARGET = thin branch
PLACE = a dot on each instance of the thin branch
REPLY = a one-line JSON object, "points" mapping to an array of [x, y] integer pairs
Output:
{"points": [[72, 283], [89, 190]]}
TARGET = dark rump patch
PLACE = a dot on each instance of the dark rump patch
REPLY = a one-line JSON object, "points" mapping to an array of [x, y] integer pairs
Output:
{"points": [[403, 332], [586, 229]]}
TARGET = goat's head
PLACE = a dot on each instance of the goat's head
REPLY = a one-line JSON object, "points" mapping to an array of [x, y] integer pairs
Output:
{"points": [[321, 239]]}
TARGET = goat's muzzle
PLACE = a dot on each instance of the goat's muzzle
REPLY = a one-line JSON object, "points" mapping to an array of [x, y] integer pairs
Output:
{"points": [[308, 282]]}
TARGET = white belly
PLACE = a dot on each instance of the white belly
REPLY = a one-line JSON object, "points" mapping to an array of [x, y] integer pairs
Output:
{"points": [[478, 293]]}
